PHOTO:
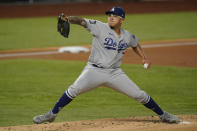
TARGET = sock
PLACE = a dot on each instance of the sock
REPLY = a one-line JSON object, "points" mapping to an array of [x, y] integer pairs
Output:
{"points": [[153, 106], [63, 101]]}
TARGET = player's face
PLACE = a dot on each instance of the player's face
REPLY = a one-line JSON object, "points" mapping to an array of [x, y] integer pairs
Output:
{"points": [[114, 20]]}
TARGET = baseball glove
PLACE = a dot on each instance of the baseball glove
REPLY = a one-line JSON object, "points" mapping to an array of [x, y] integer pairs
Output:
{"points": [[63, 26]]}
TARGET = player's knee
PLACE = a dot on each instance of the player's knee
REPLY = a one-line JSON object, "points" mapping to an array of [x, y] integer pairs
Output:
{"points": [[142, 97], [73, 91]]}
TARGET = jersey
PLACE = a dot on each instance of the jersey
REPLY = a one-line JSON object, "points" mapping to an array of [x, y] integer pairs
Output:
{"points": [[107, 47]]}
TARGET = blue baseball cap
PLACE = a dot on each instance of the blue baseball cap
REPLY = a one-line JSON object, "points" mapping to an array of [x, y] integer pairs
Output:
{"points": [[116, 11]]}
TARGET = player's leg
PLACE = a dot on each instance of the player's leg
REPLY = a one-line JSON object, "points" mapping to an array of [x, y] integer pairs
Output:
{"points": [[122, 83], [90, 78]]}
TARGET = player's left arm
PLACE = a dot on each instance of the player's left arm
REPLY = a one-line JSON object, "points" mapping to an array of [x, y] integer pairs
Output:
{"points": [[93, 26], [140, 52], [76, 20]]}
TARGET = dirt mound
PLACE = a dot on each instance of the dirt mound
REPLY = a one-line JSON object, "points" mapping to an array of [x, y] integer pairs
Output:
{"points": [[189, 123]]}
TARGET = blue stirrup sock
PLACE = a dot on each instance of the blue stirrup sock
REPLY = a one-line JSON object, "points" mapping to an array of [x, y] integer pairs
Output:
{"points": [[153, 106], [63, 101]]}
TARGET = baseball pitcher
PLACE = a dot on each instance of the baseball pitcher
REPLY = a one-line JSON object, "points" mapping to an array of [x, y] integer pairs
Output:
{"points": [[103, 67]]}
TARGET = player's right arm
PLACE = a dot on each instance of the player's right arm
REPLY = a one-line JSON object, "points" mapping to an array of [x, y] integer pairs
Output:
{"points": [[138, 49], [76, 20], [140, 52]]}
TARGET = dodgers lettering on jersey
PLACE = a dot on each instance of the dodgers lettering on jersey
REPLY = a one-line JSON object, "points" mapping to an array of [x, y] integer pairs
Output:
{"points": [[107, 47]]}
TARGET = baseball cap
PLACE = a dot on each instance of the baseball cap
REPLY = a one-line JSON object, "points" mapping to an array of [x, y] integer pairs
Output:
{"points": [[116, 11]]}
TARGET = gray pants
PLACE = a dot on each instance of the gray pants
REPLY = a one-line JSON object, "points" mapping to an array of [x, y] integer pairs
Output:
{"points": [[92, 77]]}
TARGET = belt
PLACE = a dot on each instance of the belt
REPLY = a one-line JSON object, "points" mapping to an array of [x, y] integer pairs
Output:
{"points": [[97, 66]]}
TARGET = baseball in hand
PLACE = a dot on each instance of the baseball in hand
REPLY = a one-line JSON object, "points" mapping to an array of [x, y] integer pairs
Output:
{"points": [[145, 66]]}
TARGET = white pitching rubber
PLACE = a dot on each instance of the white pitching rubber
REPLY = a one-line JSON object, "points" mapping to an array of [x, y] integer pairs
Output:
{"points": [[185, 122]]}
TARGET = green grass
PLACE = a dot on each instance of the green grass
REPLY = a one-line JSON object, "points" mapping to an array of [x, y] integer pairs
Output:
{"points": [[20, 33], [31, 87]]}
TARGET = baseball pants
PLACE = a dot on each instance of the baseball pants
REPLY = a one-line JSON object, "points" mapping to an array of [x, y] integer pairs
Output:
{"points": [[92, 77]]}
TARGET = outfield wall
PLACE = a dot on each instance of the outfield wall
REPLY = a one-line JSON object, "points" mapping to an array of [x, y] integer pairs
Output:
{"points": [[9, 11]]}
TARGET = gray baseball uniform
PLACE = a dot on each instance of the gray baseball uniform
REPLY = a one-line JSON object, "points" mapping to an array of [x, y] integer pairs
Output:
{"points": [[103, 67]]}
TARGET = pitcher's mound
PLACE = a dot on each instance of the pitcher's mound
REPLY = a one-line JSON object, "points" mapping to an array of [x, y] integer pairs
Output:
{"points": [[189, 123]]}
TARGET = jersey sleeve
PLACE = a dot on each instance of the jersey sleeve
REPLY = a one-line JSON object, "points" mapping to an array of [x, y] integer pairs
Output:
{"points": [[93, 26], [133, 41]]}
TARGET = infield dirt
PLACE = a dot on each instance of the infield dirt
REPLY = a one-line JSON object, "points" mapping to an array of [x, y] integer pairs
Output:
{"points": [[183, 55]]}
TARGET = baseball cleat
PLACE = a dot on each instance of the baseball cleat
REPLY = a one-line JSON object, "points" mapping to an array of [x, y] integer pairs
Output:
{"points": [[169, 118], [47, 117]]}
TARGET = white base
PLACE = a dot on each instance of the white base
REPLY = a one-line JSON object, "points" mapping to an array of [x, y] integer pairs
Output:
{"points": [[73, 49]]}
